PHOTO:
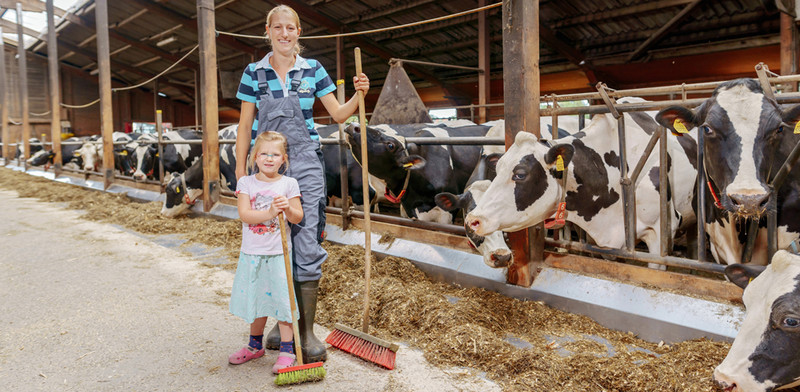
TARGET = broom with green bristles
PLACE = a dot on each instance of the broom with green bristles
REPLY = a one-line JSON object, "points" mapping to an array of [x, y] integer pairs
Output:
{"points": [[360, 343], [300, 373]]}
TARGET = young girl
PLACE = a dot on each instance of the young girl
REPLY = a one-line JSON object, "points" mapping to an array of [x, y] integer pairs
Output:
{"points": [[260, 286]]}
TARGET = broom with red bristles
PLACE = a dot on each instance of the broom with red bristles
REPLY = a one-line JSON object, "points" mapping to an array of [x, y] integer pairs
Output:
{"points": [[300, 373], [360, 343]]}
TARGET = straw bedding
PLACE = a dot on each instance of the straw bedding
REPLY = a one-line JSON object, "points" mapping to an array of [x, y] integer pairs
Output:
{"points": [[454, 326]]}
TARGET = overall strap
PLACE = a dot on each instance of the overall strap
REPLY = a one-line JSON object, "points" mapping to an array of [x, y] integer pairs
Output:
{"points": [[263, 86], [297, 78]]}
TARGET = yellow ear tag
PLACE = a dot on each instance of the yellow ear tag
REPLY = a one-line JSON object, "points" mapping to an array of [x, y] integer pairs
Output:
{"points": [[679, 126], [559, 163], [177, 189], [407, 165], [123, 152], [797, 127]]}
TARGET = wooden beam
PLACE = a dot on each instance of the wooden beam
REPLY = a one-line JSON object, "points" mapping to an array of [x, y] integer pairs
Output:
{"points": [[23, 88], [484, 56], [616, 13], [23, 5], [669, 26], [13, 26], [55, 88], [789, 42], [106, 112], [521, 81], [4, 101], [208, 78]]}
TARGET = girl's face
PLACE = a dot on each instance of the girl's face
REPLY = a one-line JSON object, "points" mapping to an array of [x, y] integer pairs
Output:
{"points": [[269, 158], [283, 33]]}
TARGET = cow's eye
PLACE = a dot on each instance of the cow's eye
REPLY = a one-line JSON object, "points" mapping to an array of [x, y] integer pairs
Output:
{"points": [[707, 130], [519, 175], [790, 322], [390, 146]]}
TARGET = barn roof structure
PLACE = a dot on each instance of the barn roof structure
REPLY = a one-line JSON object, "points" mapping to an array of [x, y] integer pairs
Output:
{"points": [[624, 43]]}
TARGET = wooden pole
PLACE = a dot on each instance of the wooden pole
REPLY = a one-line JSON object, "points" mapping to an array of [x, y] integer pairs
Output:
{"points": [[4, 101], [362, 123], [789, 50], [104, 75], [23, 90], [55, 88], [484, 55], [343, 175], [208, 76], [521, 81]]}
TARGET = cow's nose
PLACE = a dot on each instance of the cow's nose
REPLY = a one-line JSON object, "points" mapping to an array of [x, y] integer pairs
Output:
{"points": [[501, 258], [750, 204]]}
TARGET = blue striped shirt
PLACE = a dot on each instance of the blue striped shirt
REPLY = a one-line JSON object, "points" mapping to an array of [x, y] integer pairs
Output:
{"points": [[315, 83]]}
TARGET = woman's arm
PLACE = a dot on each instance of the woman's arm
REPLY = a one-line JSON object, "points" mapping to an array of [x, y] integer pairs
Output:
{"points": [[243, 136], [340, 113], [251, 216]]}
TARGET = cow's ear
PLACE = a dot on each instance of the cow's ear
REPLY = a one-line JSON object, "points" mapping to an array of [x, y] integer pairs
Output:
{"points": [[741, 275], [792, 116], [677, 119], [449, 202], [412, 162], [412, 148], [491, 161], [566, 151]]}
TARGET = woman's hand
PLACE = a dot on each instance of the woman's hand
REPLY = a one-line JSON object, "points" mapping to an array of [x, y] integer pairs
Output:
{"points": [[361, 83]]}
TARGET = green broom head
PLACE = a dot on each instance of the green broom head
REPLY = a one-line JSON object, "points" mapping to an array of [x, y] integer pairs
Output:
{"points": [[302, 373]]}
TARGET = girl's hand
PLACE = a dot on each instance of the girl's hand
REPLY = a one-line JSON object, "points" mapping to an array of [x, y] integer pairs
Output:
{"points": [[361, 83], [280, 203]]}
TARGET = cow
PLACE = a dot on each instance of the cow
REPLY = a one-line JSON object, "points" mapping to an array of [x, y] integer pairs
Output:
{"points": [[413, 173], [582, 171], [91, 152], [184, 188], [34, 144], [45, 157], [747, 137], [176, 159], [766, 352], [333, 179]]}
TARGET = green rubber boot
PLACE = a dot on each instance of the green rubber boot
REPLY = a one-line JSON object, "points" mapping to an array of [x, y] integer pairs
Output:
{"points": [[313, 349]]}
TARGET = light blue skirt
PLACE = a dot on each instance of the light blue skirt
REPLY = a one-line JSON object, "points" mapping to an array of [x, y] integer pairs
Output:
{"points": [[260, 289]]}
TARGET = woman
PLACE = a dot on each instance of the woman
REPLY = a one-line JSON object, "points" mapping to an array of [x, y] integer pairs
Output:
{"points": [[278, 94]]}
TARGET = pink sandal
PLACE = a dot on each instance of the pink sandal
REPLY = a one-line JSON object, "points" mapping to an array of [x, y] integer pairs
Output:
{"points": [[284, 360], [245, 354]]}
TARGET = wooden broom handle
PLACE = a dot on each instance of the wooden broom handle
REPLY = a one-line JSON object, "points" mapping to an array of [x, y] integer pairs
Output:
{"points": [[362, 123], [290, 282]]}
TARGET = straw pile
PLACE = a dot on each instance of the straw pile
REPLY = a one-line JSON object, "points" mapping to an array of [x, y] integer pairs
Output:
{"points": [[454, 326]]}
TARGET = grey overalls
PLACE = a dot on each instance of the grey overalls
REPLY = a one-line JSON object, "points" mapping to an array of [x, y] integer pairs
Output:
{"points": [[285, 116]]}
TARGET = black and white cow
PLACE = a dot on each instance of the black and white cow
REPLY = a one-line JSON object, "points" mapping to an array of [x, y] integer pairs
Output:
{"points": [[747, 137], [184, 188], [34, 144], [45, 157], [528, 186], [333, 179], [413, 173], [177, 157], [91, 152], [766, 352]]}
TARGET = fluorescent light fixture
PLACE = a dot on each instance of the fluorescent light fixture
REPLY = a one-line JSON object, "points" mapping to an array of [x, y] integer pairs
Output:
{"points": [[160, 94], [166, 41]]}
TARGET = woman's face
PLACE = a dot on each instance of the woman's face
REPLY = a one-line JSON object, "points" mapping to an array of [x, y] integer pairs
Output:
{"points": [[283, 33]]}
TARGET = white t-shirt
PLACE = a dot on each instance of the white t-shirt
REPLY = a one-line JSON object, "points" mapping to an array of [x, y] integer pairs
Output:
{"points": [[265, 238]]}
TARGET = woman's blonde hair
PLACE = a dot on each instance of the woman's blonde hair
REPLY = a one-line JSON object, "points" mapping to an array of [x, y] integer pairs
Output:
{"points": [[267, 137], [293, 14]]}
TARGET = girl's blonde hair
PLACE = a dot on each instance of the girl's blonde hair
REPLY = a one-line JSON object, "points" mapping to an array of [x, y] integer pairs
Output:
{"points": [[293, 14], [267, 137]]}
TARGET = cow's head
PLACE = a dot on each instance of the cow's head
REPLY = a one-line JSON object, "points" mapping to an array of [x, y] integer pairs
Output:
{"points": [[388, 156], [526, 190], [178, 198], [41, 157], [766, 352], [742, 130], [90, 156], [492, 247], [142, 158]]}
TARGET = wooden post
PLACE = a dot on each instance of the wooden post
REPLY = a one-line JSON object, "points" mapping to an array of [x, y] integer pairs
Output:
{"points": [[23, 90], [55, 88], [484, 55], [343, 175], [789, 53], [197, 103], [104, 75], [4, 102], [208, 76], [521, 81]]}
